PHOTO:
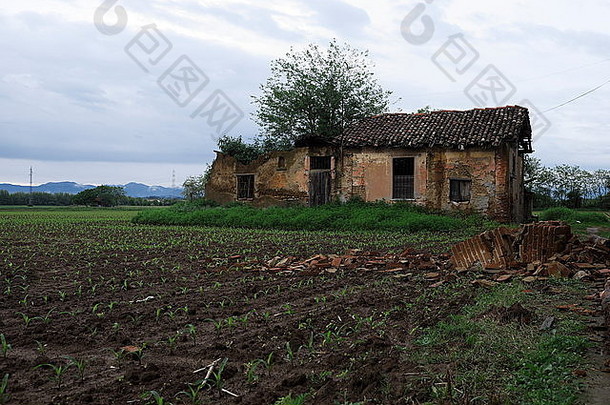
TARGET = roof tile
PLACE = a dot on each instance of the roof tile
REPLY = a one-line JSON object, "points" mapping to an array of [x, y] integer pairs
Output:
{"points": [[488, 127]]}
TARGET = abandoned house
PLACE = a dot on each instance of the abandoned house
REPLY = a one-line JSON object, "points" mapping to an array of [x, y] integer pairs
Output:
{"points": [[445, 160]]}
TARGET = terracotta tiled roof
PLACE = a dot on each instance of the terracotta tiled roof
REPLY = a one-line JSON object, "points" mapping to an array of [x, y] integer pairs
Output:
{"points": [[488, 127]]}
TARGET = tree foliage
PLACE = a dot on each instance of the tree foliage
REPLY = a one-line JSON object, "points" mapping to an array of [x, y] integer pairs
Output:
{"points": [[194, 186], [38, 198], [243, 152], [105, 196], [317, 92], [566, 185]]}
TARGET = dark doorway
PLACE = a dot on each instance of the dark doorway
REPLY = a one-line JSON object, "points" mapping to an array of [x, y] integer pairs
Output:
{"points": [[319, 180]]}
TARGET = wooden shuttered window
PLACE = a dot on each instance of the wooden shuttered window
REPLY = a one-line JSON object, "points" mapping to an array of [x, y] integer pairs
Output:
{"points": [[459, 190]]}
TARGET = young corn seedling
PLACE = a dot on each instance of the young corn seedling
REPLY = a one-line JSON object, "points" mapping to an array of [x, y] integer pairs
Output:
{"points": [[41, 347], [80, 365], [47, 318], [119, 355], [251, 375], [24, 301], [58, 372], [267, 362], [192, 393], [4, 395], [5, 346], [231, 321], [158, 313], [153, 397], [172, 342], [310, 342], [140, 353], [289, 353], [218, 325], [299, 400], [192, 331], [26, 319], [217, 375]]}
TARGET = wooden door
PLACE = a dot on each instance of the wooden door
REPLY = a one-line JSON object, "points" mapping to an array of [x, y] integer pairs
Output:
{"points": [[319, 188]]}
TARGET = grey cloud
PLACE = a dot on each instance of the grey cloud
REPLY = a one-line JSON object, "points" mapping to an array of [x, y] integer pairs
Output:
{"points": [[588, 41], [341, 17], [110, 110], [250, 17], [81, 94]]}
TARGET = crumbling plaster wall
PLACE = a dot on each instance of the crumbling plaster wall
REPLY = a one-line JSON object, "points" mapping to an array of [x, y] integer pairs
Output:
{"points": [[274, 185], [495, 175], [367, 173], [478, 166]]}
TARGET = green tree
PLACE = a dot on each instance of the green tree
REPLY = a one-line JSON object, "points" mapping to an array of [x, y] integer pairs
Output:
{"points": [[105, 196], [243, 152], [317, 92], [194, 186], [425, 110], [5, 198]]}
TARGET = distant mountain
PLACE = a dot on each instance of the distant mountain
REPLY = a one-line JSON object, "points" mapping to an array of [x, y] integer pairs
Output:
{"points": [[131, 189]]}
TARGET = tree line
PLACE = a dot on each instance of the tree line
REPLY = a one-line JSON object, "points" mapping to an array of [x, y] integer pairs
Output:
{"points": [[567, 185], [103, 196]]}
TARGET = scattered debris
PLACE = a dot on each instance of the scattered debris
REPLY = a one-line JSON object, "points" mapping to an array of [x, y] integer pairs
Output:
{"points": [[548, 323], [516, 313], [150, 297], [209, 367], [533, 252]]}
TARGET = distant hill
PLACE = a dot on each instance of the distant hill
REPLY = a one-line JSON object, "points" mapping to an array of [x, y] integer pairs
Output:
{"points": [[131, 189]]}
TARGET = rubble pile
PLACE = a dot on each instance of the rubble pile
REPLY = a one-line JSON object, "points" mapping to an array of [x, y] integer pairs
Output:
{"points": [[356, 260], [543, 249], [533, 251]]}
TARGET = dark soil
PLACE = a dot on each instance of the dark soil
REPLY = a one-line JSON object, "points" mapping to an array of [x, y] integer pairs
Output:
{"points": [[339, 337], [145, 307]]}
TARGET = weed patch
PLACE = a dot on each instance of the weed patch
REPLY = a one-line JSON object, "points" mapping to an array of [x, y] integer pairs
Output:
{"points": [[337, 217], [507, 362]]}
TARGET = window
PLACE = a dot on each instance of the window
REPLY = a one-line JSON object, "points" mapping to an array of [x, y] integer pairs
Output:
{"points": [[319, 163], [403, 172], [281, 163], [245, 186], [459, 190]]}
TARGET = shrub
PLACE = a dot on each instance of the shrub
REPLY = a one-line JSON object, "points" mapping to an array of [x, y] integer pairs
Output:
{"points": [[353, 216], [568, 215], [557, 214]]}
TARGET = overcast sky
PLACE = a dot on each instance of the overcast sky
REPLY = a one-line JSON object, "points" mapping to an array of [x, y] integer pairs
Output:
{"points": [[102, 103]]}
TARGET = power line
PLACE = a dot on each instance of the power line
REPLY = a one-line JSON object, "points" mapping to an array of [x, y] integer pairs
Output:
{"points": [[31, 199], [576, 98], [563, 71]]}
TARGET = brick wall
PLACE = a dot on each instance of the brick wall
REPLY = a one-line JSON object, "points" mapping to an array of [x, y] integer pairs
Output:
{"points": [[503, 247]]}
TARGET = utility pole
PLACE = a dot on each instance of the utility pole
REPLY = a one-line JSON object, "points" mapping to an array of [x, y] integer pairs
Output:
{"points": [[173, 179], [31, 201]]}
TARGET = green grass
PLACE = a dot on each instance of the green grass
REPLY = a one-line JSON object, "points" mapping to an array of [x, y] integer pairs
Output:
{"points": [[332, 217], [507, 362], [580, 220], [104, 231]]}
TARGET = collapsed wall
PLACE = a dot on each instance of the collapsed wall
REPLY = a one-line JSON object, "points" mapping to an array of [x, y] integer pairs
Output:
{"points": [[537, 243]]}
